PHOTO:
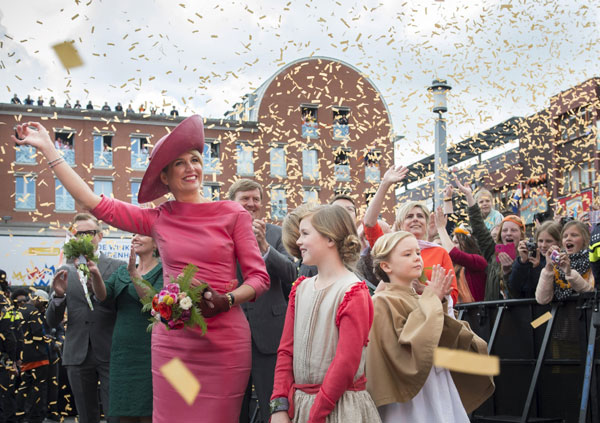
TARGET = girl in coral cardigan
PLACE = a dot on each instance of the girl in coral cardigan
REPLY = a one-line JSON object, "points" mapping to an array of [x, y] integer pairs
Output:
{"points": [[319, 375], [407, 328]]}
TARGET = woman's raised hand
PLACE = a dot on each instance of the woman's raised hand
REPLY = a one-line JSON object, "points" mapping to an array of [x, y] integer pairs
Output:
{"points": [[34, 134], [448, 191], [440, 218], [441, 281], [134, 274], [466, 190], [394, 175]]}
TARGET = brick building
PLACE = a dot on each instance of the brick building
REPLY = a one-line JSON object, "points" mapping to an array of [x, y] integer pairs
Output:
{"points": [[531, 163], [315, 128]]}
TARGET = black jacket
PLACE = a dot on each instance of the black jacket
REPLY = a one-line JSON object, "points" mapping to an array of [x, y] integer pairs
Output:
{"points": [[36, 345]]}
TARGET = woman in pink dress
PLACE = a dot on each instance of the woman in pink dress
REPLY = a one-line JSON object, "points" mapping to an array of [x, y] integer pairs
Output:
{"points": [[211, 235]]}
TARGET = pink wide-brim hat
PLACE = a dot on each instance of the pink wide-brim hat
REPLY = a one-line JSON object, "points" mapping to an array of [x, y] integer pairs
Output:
{"points": [[188, 135]]}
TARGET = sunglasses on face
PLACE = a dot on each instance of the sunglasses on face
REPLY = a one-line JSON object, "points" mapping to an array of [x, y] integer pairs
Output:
{"points": [[84, 233]]}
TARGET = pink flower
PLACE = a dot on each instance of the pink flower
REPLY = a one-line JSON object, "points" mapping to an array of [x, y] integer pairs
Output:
{"points": [[172, 288]]}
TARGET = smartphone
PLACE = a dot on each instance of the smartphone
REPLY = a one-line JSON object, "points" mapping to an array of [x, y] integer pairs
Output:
{"points": [[506, 248]]}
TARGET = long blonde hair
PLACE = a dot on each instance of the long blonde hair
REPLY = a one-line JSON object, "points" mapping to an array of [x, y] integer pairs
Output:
{"points": [[383, 248]]}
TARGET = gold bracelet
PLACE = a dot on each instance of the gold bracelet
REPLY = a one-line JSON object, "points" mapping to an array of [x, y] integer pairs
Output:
{"points": [[230, 299]]}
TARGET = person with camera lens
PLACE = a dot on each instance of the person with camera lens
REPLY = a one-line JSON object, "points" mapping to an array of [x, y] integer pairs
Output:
{"points": [[531, 259]]}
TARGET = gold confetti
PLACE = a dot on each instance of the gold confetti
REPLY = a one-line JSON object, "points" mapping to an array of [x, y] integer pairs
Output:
{"points": [[182, 379], [466, 362], [68, 55], [541, 320]]}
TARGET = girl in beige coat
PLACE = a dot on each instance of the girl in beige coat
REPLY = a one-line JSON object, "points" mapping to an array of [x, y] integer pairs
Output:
{"points": [[407, 328]]}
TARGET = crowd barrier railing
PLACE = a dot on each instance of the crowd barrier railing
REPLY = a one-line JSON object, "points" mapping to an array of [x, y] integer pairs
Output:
{"points": [[547, 374]]}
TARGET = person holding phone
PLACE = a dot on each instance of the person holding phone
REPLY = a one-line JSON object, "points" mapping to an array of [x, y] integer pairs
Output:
{"points": [[532, 259], [510, 233], [567, 271]]}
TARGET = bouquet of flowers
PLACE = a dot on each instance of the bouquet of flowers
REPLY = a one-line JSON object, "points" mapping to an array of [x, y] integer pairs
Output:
{"points": [[81, 250], [175, 305]]}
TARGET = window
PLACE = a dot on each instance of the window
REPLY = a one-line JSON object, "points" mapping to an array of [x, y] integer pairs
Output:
{"points": [[278, 204], [64, 141], [211, 191], [62, 199], [278, 166], [135, 188], [575, 124], [103, 150], [342, 165], [25, 154], [310, 124], [212, 162], [310, 164], [372, 172], [25, 192], [140, 151], [103, 187], [341, 130], [369, 194], [580, 177], [245, 164], [310, 195]]}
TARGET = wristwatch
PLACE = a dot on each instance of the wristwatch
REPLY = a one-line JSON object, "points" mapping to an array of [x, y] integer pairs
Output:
{"points": [[279, 404]]}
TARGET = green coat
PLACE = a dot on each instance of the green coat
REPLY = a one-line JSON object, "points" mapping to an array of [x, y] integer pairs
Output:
{"points": [[488, 251], [130, 384]]}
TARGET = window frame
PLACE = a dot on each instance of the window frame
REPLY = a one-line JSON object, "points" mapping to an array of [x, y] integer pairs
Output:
{"points": [[68, 154], [282, 165], [315, 171], [30, 178], [246, 146], [278, 212], [101, 154], [139, 156]]}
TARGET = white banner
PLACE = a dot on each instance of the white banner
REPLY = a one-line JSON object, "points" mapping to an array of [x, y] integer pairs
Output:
{"points": [[33, 260]]}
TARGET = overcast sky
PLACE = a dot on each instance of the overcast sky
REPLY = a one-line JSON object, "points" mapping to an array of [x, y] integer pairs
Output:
{"points": [[502, 58]]}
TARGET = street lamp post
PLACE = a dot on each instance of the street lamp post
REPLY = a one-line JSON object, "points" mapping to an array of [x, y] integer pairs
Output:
{"points": [[439, 88]]}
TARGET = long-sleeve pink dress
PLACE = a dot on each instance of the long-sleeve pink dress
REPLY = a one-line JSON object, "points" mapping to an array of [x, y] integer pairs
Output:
{"points": [[213, 236]]}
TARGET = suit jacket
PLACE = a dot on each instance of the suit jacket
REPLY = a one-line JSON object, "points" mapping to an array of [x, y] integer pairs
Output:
{"points": [[266, 315], [85, 327]]}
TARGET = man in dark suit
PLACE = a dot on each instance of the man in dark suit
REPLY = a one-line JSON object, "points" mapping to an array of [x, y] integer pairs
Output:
{"points": [[266, 315], [88, 337]]}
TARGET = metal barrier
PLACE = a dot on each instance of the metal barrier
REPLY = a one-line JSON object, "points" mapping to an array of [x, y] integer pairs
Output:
{"points": [[548, 374]]}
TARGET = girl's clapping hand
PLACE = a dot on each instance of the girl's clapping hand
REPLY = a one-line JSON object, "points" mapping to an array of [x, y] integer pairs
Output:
{"points": [[441, 281]]}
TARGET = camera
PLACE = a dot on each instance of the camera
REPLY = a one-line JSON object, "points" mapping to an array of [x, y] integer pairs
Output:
{"points": [[531, 246], [566, 219]]}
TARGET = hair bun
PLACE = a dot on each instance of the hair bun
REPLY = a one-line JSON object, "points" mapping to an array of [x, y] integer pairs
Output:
{"points": [[350, 249]]}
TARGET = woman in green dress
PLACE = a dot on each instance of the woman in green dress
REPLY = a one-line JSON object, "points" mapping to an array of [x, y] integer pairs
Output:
{"points": [[130, 383]]}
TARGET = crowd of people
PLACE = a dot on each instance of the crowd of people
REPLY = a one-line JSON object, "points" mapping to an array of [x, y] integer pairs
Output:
{"points": [[332, 317], [28, 101]]}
